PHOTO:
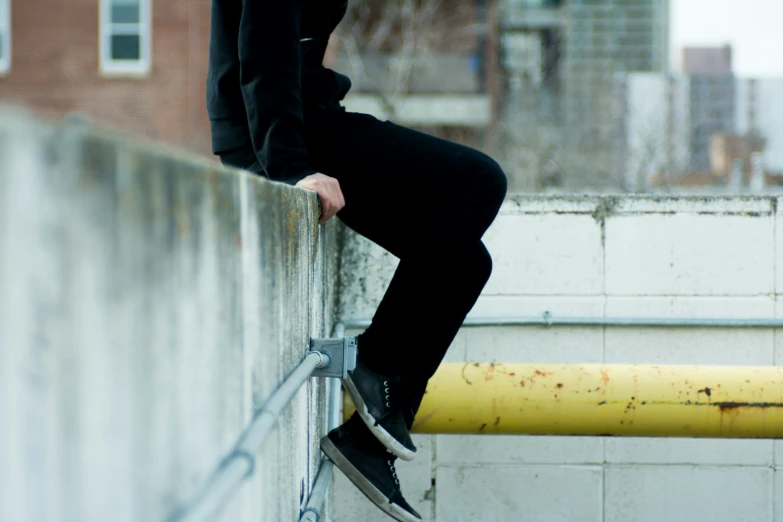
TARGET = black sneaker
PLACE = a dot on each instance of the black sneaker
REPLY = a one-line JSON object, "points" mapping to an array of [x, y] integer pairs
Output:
{"points": [[379, 402], [371, 469]]}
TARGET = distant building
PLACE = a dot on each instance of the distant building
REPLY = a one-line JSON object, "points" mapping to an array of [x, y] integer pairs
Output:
{"points": [[138, 66], [707, 60], [712, 98], [652, 128], [692, 129], [727, 149], [571, 100], [759, 112]]}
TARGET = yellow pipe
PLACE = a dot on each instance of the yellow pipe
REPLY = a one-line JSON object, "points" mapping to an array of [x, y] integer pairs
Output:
{"points": [[609, 399]]}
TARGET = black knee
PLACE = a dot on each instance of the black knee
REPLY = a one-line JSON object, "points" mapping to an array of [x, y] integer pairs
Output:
{"points": [[478, 264], [494, 181], [498, 183]]}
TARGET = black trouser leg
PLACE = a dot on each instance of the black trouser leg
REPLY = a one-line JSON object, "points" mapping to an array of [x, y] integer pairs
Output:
{"points": [[428, 201]]}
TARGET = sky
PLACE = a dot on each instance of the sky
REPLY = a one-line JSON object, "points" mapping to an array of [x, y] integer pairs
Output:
{"points": [[754, 28]]}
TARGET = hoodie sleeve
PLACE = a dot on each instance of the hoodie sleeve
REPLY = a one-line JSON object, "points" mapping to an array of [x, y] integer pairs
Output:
{"points": [[270, 79]]}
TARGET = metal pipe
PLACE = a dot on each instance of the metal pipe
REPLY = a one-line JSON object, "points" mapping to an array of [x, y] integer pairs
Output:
{"points": [[335, 396], [320, 488], [312, 512], [603, 399], [547, 320], [240, 463]]}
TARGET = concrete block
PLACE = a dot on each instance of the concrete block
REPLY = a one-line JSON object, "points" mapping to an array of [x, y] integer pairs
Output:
{"points": [[683, 346], [350, 504], [778, 333], [778, 495], [533, 344], [720, 206], [778, 355], [457, 352], [685, 254], [489, 306], [521, 204], [779, 247], [734, 346], [687, 494], [519, 493], [688, 451], [687, 306], [778, 361], [538, 344], [517, 449], [365, 272], [545, 255]]}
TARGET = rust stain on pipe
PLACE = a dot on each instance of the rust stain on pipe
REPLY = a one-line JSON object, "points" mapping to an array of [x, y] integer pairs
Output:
{"points": [[464, 377], [422, 421], [725, 406]]}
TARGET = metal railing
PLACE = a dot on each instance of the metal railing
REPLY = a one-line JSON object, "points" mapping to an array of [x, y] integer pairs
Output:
{"points": [[312, 511], [548, 320], [240, 463]]}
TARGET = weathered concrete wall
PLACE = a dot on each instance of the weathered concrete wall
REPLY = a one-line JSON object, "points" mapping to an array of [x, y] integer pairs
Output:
{"points": [[602, 257], [148, 304]]}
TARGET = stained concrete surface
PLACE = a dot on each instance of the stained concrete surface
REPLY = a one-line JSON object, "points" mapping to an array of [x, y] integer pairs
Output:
{"points": [[149, 303]]}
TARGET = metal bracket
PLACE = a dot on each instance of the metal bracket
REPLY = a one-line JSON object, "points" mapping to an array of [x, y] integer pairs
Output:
{"points": [[341, 354]]}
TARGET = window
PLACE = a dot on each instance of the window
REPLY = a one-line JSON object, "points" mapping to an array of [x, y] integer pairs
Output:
{"points": [[126, 29], [5, 36]]}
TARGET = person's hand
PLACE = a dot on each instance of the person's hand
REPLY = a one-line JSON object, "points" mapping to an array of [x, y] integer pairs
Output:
{"points": [[329, 193]]}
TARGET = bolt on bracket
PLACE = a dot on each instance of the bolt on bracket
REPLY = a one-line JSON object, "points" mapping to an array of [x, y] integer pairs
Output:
{"points": [[341, 355]]}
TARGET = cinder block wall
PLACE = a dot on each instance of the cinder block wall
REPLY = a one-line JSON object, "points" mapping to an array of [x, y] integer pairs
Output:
{"points": [[148, 305], [602, 257]]}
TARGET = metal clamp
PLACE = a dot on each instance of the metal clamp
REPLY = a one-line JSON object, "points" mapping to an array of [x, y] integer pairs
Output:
{"points": [[339, 356]]}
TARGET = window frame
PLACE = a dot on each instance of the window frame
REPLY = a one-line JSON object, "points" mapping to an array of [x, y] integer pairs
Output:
{"points": [[107, 29], [5, 37]]}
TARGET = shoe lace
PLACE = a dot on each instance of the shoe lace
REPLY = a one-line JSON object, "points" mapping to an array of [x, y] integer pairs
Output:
{"points": [[387, 391], [390, 463]]}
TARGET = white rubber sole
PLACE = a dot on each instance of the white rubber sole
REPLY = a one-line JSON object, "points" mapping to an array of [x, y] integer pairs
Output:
{"points": [[380, 433], [364, 485]]}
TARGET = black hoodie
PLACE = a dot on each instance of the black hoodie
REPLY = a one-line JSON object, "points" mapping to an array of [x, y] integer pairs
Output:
{"points": [[265, 66]]}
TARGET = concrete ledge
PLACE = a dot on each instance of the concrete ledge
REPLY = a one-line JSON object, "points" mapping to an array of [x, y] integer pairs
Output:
{"points": [[149, 302]]}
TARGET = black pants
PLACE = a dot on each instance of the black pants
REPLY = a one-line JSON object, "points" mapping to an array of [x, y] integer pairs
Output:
{"points": [[427, 201]]}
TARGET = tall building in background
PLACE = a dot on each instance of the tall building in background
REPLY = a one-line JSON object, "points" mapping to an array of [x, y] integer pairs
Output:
{"points": [[707, 60], [712, 98], [581, 46], [759, 114]]}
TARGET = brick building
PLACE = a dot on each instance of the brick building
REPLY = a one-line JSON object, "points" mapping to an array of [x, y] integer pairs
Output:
{"points": [[138, 66]]}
